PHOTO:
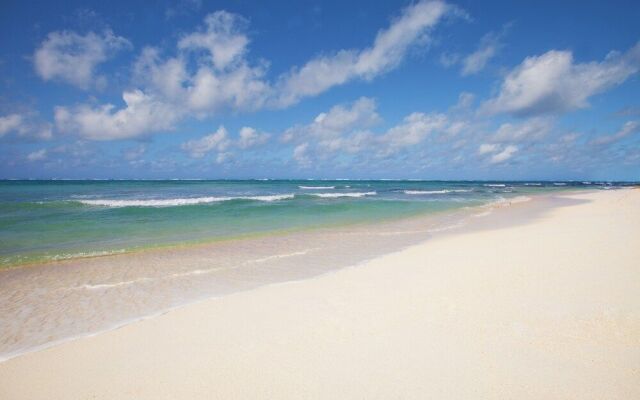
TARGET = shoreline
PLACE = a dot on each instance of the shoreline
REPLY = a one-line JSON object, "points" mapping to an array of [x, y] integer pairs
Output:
{"points": [[194, 244], [542, 302], [426, 227], [89, 254]]}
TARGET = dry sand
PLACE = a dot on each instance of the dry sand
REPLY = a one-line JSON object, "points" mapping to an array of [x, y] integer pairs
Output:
{"points": [[548, 309]]}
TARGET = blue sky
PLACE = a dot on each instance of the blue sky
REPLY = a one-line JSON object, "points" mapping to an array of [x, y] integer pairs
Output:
{"points": [[243, 89]]}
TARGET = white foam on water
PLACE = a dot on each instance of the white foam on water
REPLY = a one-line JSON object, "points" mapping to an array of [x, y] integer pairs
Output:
{"points": [[510, 200], [482, 214], [188, 273], [349, 194], [444, 191], [180, 201], [285, 255], [111, 285], [316, 187], [494, 185], [67, 256]]}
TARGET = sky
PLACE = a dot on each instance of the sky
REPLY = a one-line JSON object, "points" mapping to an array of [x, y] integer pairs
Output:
{"points": [[305, 89]]}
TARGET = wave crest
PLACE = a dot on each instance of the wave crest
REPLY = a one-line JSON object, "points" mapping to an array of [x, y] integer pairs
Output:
{"points": [[348, 194], [180, 201], [443, 191]]}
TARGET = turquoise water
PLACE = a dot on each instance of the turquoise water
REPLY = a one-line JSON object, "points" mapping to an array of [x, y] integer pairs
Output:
{"points": [[49, 220]]}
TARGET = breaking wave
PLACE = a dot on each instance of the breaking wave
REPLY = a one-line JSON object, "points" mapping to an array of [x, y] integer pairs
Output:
{"points": [[348, 194], [444, 191], [180, 201]]}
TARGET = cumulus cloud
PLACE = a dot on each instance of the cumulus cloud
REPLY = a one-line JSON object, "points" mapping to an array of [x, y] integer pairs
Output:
{"points": [[504, 155], [629, 128], [220, 76], [223, 39], [554, 83], [347, 129], [390, 47], [223, 144], [210, 73], [496, 153], [338, 120], [72, 58], [413, 130], [216, 141], [250, 137], [142, 113]]}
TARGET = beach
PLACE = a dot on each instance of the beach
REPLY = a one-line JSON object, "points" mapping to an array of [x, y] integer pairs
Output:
{"points": [[82, 257], [544, 306]]}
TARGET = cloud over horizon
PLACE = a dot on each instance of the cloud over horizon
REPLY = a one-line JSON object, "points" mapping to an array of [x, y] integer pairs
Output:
{"points": [[422, 87]]}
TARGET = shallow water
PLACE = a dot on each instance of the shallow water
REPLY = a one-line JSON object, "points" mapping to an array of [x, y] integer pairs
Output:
{"points": [[53, 220], [285, 239]]}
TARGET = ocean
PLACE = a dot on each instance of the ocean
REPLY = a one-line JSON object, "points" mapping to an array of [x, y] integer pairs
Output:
{"points": [[52, 220]]}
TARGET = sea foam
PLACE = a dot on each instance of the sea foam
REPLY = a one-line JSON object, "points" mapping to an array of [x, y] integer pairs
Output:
{"points": [[180, 201], [348, 194], [444, 191]]}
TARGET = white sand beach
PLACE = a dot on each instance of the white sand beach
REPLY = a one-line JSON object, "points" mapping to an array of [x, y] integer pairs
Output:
{"points": [[545, 308]]}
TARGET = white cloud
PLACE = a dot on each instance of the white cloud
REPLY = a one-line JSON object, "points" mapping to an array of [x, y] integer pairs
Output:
{"points": [[387, 52], [345, 129], [73, 58], [223, 38], [142, 113], [250, 137], [554, 83], [496, 153], [465, 101], [486, 148], [300, 154], [413, 130], [629, 128], [504, 155], [210, 73], [164, 77], [216, 141], [221, 142], [476, 61], [9, 123], [531, 129], [37, 155], [340, 119], [25, 126], [239, 89]]}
